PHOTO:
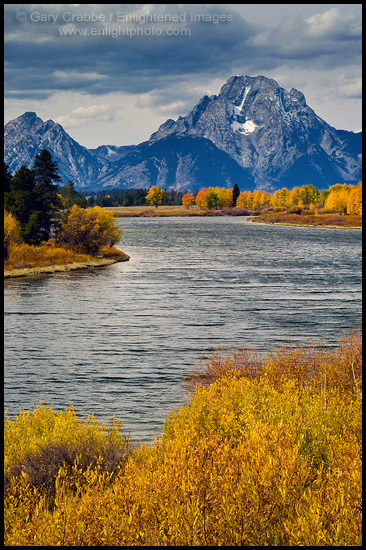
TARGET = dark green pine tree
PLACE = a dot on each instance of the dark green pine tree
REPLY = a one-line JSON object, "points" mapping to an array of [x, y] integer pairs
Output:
{"points": [[236, 193], [20, 199], [71, 196], [7, 178], [47, 201]]}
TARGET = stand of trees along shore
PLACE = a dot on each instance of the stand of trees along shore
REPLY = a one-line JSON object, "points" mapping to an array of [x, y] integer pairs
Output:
{"points": [[345, 199], [41, 216]]}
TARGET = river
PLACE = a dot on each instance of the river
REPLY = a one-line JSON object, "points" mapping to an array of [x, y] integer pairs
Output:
{"points": [[116, 340]]}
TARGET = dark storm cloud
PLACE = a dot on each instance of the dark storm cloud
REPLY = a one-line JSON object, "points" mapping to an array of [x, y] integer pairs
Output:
{"points": [[37, 48], [40, 61]]}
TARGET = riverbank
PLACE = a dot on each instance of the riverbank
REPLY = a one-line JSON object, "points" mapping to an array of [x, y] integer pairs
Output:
{"points": [[172, 211], [309, 220], [304, 219], [60, 268]]}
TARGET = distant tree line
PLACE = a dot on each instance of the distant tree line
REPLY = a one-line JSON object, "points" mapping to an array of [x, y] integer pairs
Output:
{"points": [[130, 197], [346, 199], [343, 198]]}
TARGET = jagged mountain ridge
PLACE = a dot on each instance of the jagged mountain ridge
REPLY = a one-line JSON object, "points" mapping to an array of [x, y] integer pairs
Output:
{"points": [[178, 162], [273, 133], [28, 134], [111, 153], [253, 133]]}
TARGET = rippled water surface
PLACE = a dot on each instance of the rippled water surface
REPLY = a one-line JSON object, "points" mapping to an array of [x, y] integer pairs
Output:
{"points": [[117, 339]]}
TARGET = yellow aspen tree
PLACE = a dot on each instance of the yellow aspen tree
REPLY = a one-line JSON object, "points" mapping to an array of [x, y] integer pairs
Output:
{"points": [[11, 232], [155, 196], [294, 196], [264, 198], [337, 200], [256, 198], [354, 203], [225, 197], [281, 198]]}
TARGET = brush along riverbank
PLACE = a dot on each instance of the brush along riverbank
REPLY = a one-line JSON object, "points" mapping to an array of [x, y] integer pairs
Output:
{"points": [[309, 219], [75, 266], [84, 263], [268, 452]]}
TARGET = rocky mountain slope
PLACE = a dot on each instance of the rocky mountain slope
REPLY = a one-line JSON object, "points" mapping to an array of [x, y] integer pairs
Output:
{"points": [[253, 133], [111, 153], [272, 133], [25, 136], [185, 163]]}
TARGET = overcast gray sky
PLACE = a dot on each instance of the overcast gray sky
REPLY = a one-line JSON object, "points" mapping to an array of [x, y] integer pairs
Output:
{"points": [[111, 74]]}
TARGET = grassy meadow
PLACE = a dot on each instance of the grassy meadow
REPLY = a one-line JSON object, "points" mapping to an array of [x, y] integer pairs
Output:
{"points": [[152, 211], [267, 452], [170, 211]]}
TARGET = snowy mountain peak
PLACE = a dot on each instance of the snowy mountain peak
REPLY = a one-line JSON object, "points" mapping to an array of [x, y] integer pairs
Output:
{"points": [[254, 133], [270, 131]]}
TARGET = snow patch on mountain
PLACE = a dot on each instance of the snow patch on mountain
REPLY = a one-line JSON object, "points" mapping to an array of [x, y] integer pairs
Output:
{"points": [[239, 109], [247, 128]]}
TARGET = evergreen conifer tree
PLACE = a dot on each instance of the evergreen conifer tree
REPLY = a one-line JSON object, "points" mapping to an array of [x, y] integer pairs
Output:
{"points": [[236, 193], [31, 196], [47, 200], [20, 200], [7, 178]]}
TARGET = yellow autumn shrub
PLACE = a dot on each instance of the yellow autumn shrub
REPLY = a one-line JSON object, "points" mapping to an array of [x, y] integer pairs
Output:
{"points": [[12, 231], [86, 230], [269, 459], [37, 444], [30, 432], [354, 203]]}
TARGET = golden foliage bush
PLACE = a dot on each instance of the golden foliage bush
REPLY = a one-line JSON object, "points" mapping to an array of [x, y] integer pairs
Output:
{"points": [[12, 231], [38, 445], [354, 203], [33, 432], [155, 196], [86, 230], [346, 199], [268, 455]]}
